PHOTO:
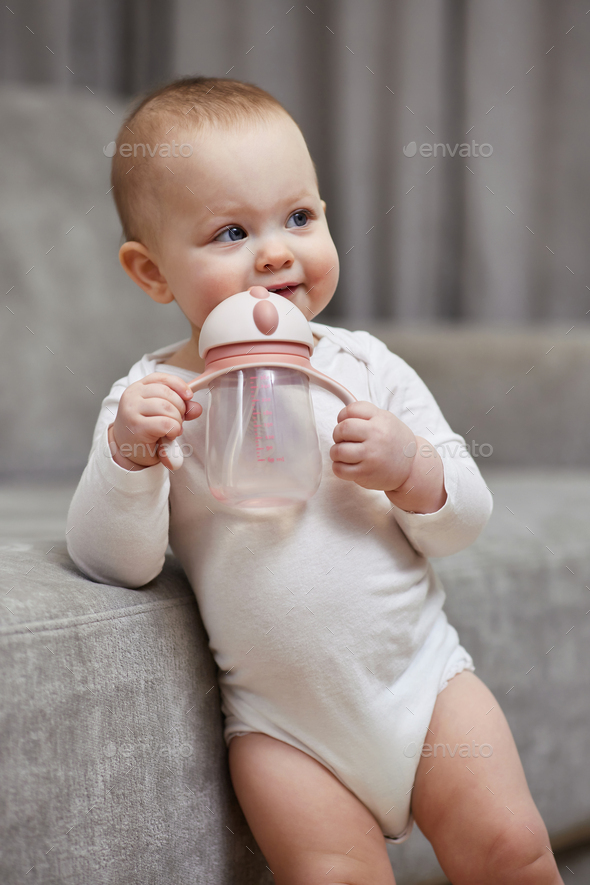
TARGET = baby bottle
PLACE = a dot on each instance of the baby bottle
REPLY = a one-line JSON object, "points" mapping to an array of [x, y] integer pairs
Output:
{"points": [[262, 447]]}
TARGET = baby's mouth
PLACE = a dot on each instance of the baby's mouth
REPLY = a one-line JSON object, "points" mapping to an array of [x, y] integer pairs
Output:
{"points": [[286, 291]]}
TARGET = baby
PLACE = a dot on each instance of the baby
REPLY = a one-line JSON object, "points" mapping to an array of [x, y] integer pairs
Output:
{"points": [[340, 676]]}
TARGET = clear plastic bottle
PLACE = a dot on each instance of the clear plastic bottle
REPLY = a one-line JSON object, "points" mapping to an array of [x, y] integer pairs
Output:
{"points": [[262, 442]]}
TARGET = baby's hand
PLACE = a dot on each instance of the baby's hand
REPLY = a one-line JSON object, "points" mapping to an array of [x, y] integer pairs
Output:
{"points": [[150, 416], [372, 447]]}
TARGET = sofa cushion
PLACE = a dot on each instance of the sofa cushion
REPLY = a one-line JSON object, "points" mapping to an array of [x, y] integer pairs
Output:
{"points": [[519, 396], [520, 599]]}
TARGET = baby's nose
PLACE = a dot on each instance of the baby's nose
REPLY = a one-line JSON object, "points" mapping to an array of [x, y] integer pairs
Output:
{"points": [[274, 254]]}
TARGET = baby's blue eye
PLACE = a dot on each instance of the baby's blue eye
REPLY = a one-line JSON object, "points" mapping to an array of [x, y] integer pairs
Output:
{"points": [[231, 234], [299, 219]]}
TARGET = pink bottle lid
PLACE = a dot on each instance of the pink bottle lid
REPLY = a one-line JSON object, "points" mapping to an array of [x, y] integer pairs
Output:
{"points": [[259, 328]]}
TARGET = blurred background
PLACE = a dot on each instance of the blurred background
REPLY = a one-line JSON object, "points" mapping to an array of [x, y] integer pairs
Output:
{"points": [[496, 238], [451, 141]]}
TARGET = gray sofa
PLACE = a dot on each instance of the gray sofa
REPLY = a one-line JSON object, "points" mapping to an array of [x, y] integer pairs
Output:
{"points": [[113, 766]]}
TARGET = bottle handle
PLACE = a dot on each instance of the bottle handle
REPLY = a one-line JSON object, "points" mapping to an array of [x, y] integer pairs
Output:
{"points": [[330, 385], [203, 381]]}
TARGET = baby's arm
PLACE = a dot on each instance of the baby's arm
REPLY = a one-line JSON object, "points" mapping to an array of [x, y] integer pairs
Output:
{"points": [[405, 447], [117, 527]]}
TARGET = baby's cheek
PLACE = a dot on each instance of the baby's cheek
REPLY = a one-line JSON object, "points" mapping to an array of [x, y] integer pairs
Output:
{"points": [[323, 259], [211, 289], [330, 268]]}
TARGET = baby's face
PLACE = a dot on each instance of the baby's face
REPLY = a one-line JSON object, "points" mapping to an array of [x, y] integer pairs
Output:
{"points": [[244, 210]]}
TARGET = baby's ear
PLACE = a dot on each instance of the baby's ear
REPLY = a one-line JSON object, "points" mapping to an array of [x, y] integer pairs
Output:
{"points": [[323, 202], [138, 263]]}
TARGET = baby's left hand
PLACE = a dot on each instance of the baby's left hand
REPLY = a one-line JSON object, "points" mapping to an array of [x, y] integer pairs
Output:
{"points": [[372, 447]]}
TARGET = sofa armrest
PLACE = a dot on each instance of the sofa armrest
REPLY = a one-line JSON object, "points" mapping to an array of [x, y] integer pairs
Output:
{"points": [[114, 767]]}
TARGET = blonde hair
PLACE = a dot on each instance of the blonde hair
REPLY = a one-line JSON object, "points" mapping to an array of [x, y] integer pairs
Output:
{"points": [[185, 105]]}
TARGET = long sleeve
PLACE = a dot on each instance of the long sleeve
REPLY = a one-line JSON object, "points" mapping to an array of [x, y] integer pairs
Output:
{"points": [[459, 521], [117, 525], [397, 387], [469, 502]]}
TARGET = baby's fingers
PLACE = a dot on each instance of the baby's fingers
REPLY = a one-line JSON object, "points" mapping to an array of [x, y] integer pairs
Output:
{"points": [[173, 382], [360, 409], [170, 454], [156, 427], [349, 472], [193, 410], [154, 407], [169, 451], [351, 430], [347, 452], [165, 396]]}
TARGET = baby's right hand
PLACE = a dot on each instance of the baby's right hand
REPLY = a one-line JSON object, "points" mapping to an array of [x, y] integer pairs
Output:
{"points": [[150, 415]]}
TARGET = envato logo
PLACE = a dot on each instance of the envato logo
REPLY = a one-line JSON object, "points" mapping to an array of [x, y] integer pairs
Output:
{"points": [[472, 450], [465, 149], [132, 750], [142, 450], [472, 750], [143, 150]]}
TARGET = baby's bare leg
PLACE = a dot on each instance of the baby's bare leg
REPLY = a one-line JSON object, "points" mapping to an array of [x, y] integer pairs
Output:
{"points": [[310, 827], [478, 812]]}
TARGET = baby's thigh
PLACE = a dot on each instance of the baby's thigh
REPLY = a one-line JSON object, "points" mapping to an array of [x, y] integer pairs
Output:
{"points": [[471, 799], [309, 826]]}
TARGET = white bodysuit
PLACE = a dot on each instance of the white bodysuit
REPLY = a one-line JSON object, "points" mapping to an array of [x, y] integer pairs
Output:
{"points": [[325, 619]]}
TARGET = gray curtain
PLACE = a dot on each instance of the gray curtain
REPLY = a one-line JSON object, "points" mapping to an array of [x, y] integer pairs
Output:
{"points": [[366, 77], [120, 46], [499, 238]]}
